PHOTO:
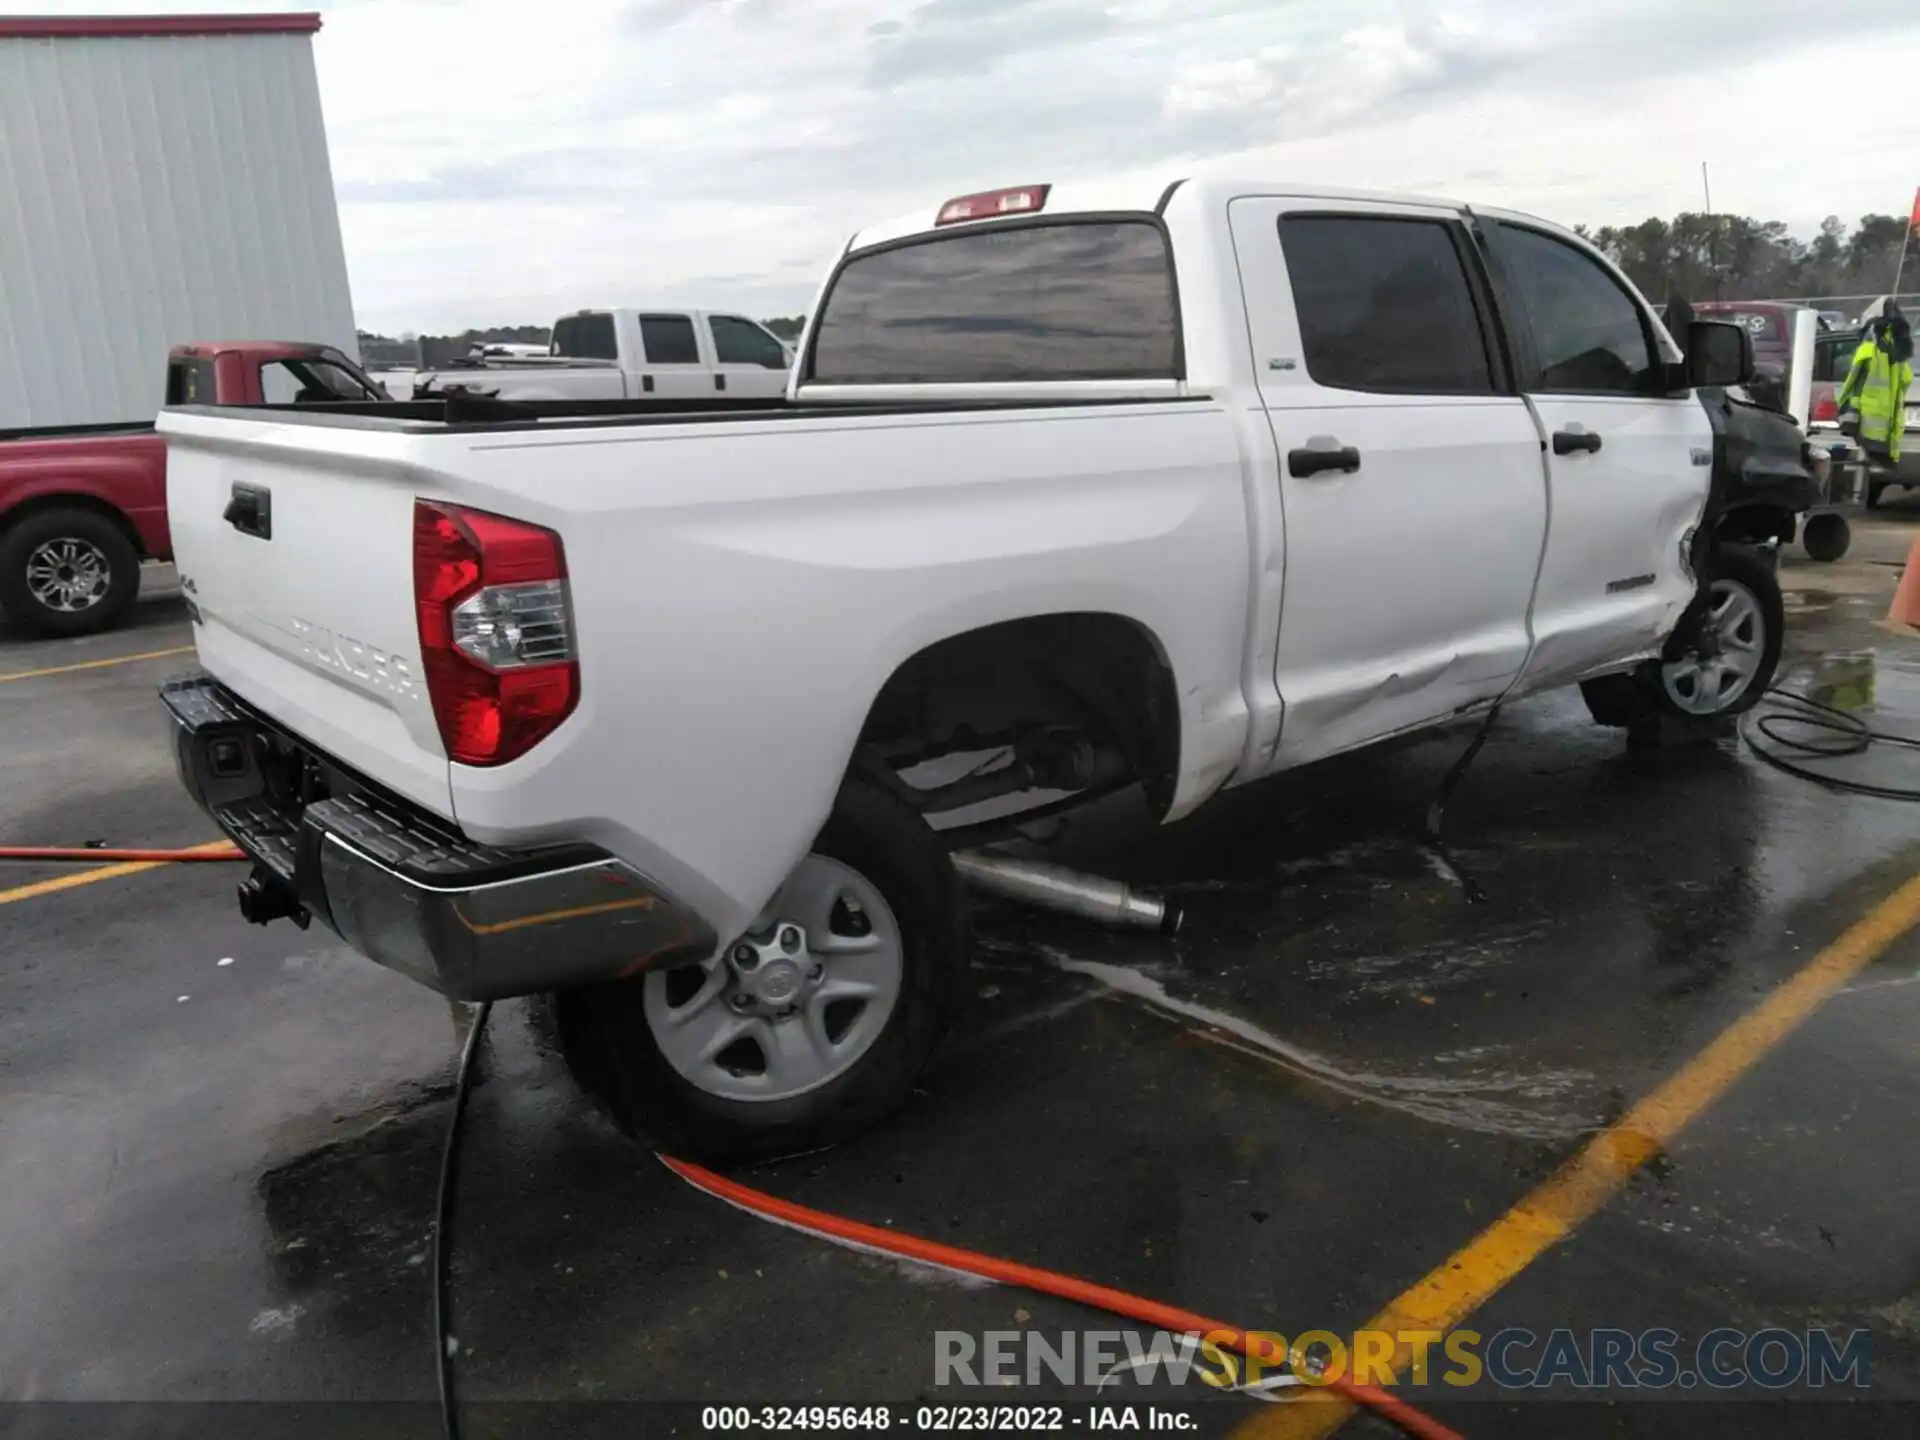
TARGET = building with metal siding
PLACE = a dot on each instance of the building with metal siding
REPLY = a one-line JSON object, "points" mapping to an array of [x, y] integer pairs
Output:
{"points": [[163, 179]]}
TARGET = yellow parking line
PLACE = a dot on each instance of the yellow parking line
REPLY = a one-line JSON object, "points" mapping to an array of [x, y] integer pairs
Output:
{"points": [[1472, 1275], [98, 664], [88, 877]]}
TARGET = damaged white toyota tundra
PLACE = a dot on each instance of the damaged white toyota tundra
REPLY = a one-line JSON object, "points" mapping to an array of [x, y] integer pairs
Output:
{"points": [[633, 701]]}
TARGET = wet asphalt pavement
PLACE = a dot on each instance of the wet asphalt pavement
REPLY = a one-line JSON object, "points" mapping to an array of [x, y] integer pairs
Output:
{"points": [[218, 1178]]}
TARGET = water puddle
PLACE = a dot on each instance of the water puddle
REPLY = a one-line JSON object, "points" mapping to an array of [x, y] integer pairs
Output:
{"points": [[1495, 1104]]}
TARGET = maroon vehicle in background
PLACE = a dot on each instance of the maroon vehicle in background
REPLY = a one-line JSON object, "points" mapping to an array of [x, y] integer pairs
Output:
{"points": [[81, 506], [1770, 323]]}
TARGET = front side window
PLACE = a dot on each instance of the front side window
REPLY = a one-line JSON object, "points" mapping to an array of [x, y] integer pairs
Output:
{"points": [[338, 382], [309, 382], [669, 340], [278, 384], [741, 342], [1588, 334], [1074, 300], [1385, 305], [1832, 359]]}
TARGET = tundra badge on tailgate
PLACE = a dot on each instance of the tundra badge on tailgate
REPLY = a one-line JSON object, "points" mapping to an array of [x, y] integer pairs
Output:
{"points": [[369, 664]]}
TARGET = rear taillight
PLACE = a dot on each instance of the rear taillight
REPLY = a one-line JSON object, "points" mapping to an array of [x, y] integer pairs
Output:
{"points": [[496, 631], [1825, 409]]}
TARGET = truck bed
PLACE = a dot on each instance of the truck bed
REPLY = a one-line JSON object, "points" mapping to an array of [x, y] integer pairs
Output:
{"points": [[703, 540], [455, 413], [77, 432]]}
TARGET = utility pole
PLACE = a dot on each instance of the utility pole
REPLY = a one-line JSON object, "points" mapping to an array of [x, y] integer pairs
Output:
{"points": [[1713, 231]]}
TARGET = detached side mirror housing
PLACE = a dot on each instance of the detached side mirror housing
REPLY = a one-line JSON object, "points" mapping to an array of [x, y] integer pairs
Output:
{"points": [[1718, 354]]}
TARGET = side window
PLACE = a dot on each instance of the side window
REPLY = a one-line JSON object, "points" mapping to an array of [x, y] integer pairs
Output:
{"points": [[586, 337], [741, 342], [669, 340], [1385, 305], [278, 384], [1588, 333], [333, 381], [1833, 358], [190, 382]]}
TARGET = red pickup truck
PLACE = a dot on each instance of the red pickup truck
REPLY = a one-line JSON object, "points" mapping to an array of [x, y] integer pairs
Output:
{"points": [[81, 506]]}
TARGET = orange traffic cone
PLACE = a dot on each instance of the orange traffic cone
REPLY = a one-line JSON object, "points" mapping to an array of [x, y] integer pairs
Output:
{"points": [[1906, 600]]}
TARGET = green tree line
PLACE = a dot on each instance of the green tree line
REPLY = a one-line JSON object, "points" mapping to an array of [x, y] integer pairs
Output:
{"points": [[1735, 257]]}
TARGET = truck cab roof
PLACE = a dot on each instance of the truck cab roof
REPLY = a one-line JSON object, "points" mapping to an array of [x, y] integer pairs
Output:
{"points": [[260, 349], [1137, 195]]}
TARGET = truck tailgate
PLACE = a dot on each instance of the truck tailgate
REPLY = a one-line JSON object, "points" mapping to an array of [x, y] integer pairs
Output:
{"points": [[295, 549]]}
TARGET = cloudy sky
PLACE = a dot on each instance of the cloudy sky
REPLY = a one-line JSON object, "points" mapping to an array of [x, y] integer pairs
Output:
{"points": [[500, 161]]}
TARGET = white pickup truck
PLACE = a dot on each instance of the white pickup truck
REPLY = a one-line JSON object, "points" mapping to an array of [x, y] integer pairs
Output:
{"points": [[1168, 488], [630, 355]]}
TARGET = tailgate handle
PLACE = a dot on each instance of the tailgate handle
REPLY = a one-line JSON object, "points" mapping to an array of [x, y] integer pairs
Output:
{"points": [[250, 511]]}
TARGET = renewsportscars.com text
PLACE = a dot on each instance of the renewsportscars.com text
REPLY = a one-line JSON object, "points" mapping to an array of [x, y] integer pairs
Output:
{"points": [[1511, 1359]]}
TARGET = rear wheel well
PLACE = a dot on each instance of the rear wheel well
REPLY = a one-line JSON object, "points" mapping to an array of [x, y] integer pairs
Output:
{"points": [[1097, 683], [40, 504]]}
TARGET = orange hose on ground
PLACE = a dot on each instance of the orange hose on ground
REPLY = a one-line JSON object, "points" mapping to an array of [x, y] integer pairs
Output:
{"points": [[1049, 1282], [80, 853]]}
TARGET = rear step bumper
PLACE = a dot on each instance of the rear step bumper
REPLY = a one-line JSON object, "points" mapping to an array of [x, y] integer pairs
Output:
{"points": [[405, 888]]}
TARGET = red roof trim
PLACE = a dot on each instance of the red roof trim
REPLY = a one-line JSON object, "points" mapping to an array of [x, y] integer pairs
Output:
{"points": [[116, 27]]}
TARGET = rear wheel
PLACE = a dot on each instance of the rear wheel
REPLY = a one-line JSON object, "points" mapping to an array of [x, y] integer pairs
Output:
{"points": [[68, 572], [1725, 669], [809, 1028]]}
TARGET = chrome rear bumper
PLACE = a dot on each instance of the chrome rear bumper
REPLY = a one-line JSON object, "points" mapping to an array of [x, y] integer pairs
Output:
{"points": [[404, 888]]}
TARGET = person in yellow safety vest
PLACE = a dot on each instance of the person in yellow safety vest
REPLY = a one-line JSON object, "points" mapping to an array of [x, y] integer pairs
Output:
{"points": [[1877, 381]]}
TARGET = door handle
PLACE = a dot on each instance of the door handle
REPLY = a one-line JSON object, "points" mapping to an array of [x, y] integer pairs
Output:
{"points": [[1302, 463], [1565, 442], [646, 383], [250, 511], [719, 382]]}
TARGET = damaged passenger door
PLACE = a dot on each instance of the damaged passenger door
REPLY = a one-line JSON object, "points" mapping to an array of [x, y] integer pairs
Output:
{"points": [[1412, 493], [1629, 463]]}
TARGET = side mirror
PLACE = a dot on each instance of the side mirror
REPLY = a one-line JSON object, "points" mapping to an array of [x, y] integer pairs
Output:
{"points": [[1718, 354]]}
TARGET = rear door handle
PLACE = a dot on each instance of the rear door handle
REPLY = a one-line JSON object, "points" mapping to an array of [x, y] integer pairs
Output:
{"points": [[1566, 442], [250, 511], [1302, 463], [719, 382]]}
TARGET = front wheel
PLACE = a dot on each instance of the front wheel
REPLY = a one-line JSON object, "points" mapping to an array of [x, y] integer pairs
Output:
{"points": [[809, 1028], [68, 572], [1727, 666]]}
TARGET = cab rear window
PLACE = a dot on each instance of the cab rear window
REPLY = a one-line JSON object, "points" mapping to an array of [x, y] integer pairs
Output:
{"points": [[1763, 325], [1078, 300]]}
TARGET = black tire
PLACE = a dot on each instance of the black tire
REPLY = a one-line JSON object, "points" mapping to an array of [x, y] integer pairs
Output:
{"points": [[611, 1050], [1640, 697], [1826, 536], [85, 528], [1875, 489]]}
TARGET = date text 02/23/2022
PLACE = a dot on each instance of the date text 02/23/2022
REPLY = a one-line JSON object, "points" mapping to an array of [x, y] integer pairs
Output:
{"points": [[944, 1419]]}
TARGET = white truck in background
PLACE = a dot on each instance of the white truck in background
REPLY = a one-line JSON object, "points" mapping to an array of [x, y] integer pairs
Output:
{"points": [[1083, 486], [631, 354]]}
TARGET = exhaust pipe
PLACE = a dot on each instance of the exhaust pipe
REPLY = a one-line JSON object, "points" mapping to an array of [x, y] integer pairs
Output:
{"points": [[1054, 887]]}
